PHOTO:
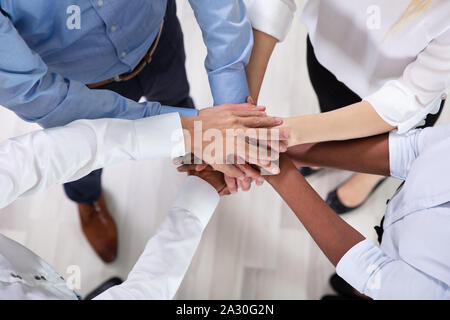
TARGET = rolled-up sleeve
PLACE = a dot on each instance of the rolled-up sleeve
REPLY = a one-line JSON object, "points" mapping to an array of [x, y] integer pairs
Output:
{"points": [[370, 271], [35, 94], [405, 102], [405, 148], [227, 34], [273, 17]]}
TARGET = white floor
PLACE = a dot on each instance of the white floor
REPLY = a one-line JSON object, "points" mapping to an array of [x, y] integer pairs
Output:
{"points": [[254, 248]]}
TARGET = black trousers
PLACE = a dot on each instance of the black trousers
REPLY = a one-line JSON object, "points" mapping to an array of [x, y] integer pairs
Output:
{"points": [[163, 80], [333, 94]]}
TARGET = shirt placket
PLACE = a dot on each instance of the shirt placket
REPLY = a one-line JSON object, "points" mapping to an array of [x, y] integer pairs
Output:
{"points": [[113, 29]]}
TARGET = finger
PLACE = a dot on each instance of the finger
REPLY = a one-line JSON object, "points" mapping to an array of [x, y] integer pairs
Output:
{"points": [[186, 168], [249, 171], [272, 169], [229, 170], [201, 167], [278, 146], [260, 122], [246, 184], [255, 157], [260, 181], [261, 154], [239, 184], [225, 192], [231, 184], [251, 101], [261, 134], [245, 106], [249, 113], [177, 161], [252, 149]]}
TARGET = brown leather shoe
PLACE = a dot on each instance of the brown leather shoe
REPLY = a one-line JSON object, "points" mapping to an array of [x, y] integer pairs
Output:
{"points": [[99, 228]]}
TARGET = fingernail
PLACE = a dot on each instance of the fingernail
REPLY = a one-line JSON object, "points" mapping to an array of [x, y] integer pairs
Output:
{"points": [[278, 120], [286, 134], [260, 181], [283, 148]]}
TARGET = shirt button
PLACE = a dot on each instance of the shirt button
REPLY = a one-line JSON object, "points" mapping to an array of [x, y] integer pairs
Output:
{"points": [[124, 54], [113, 28], [100, 3]]}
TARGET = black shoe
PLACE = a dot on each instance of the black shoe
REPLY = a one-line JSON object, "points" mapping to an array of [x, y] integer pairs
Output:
{"points": [[335, 203], [342, 287], [307, 171], [344, 290], [103, 287]]}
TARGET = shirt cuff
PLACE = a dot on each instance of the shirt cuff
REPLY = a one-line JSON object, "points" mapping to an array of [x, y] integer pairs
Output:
{"points": [[401, 153], [360, 263], [199, 198], [229, 86], [183, 112], [160, 137], [398, 105], [271, 17]]}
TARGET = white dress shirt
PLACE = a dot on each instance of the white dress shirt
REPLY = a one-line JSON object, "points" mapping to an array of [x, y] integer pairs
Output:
{"points": [[403, 75], [413, 261], [36, 161], [273, 17]]}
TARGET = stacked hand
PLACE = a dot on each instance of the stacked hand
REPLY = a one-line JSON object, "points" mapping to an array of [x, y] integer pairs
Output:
{"points": [[237, 140]]}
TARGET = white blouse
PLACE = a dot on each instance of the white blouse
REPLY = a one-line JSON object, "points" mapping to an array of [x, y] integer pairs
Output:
{"points": [[413, 261], [404, 74], [273, 17]]}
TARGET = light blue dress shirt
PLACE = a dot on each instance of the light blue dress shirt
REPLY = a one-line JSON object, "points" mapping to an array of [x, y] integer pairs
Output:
{"points": [[413, 261], [46, 60]]}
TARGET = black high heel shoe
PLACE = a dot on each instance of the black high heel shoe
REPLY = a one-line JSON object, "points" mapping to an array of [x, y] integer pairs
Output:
{"points": [[307, 171], [336, 204]]}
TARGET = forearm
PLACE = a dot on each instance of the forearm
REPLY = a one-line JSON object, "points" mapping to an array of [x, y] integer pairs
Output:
{"points": [[227, 33], [355, 121], [263, 47], [38, 160], [367, 155], [332, 234]]}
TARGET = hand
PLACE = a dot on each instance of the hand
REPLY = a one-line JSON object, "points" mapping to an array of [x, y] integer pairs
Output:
{"points": [[213, 177], [233, 184], [250, 173], [241, 128], [283, 145]]}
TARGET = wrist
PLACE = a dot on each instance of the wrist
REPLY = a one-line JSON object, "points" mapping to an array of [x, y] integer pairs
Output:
{"points": [[287, 168], [292, 126], [187, 123]]}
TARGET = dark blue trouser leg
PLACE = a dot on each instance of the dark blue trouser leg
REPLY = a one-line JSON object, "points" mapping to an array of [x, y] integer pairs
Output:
{"points": [[87, 189], [164, 80]]}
